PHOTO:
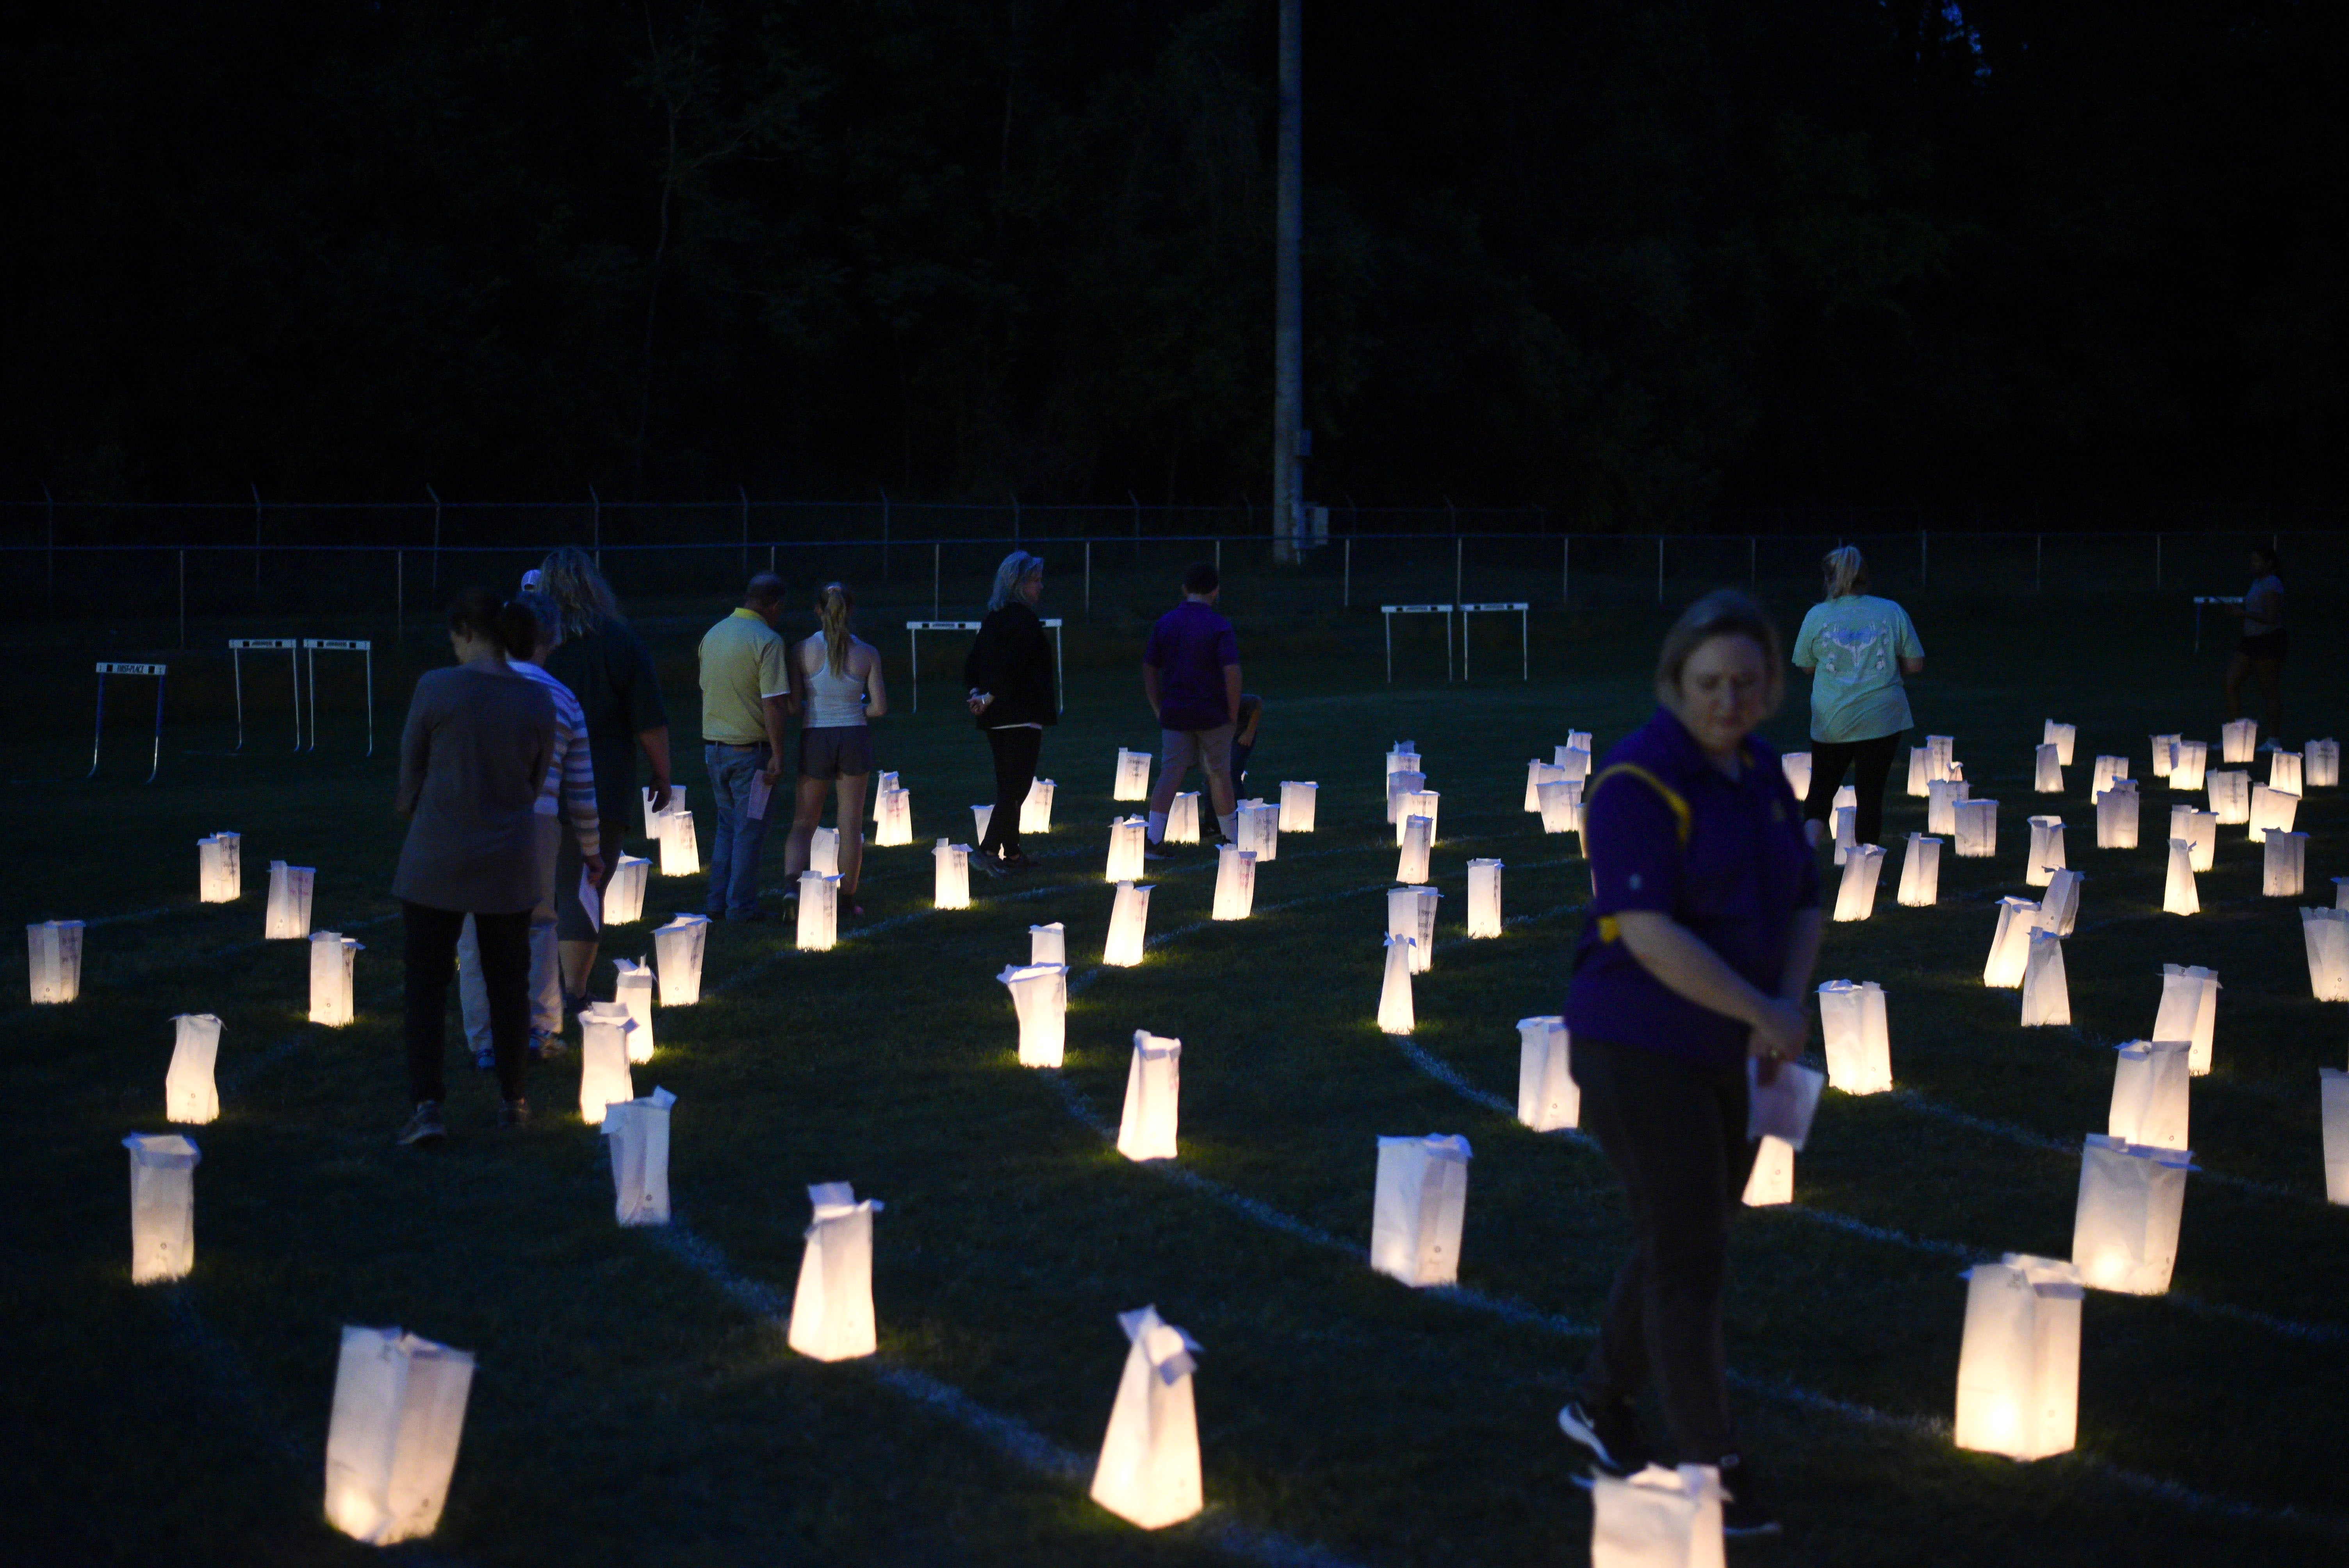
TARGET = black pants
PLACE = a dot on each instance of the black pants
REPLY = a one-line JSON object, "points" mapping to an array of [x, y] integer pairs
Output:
{"points": [[1016, 751], [431, 962], [1872, 760], [1675, 1134]]}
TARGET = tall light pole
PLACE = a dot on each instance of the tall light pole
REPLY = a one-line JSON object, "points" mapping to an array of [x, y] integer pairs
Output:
{"points": [[1288, 295]]}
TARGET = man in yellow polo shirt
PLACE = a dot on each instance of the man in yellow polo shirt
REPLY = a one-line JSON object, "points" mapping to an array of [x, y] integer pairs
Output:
{"points": [[746, 694]]}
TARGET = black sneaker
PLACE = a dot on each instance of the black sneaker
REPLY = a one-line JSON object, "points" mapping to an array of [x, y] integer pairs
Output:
{"points": [[1610, 1430], [423, 1129], [1013, 861], [988, 861], [1742, 1511], [1156, 852], [514, 1113]]}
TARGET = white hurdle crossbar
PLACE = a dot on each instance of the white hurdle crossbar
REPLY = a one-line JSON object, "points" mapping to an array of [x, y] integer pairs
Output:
{"points": [[292, 648], [155, 763], [913, 630], [1525, 647], [311, 648], [1387, 612]]}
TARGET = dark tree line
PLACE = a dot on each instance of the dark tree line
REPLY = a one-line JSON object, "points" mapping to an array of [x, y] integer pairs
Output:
{"points": [[1621, 258]]}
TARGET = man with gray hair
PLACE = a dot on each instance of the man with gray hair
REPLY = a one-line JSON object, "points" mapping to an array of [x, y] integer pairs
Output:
{"points": [[746, 695]]}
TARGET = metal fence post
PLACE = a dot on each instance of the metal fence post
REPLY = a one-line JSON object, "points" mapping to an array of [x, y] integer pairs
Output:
{"points": [[1455, 570], [183, 601], [934, 580]]}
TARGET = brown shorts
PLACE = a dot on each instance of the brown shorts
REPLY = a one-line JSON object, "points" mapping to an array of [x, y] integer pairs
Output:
{"points": [[835, 749], [1209, 750]]}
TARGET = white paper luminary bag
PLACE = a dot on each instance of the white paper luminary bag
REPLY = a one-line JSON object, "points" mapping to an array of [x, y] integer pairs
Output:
{"points": [[1856, 898], [2284, 771], [1411, 912], [287, 916], [2189, 1011], [1419, 835], [2178, 895], [1561, 808], [2116, 817], [1040, 995], [895, 828], [2124, 1230], [1394, 988], [2341, 893], [1129, 837], [1921, 772], [1235, 883], [1977, 829], [1920, 872], [53, 952], [2046, 856], [1300, 801], [2110, 770], [1772, 1179], [1048, 944], [1942, 750], [1796, 765], [2239, 739], [391, 1444], [2047, 775], [1416, 1213], [2230, 797], [2283, 870], [2200, 831], [832, 1311], [2273, 811], [680, 846], [637, 1133], [1182, 818], [2186, 773], [1781, 1107], [950, 876], [624, 895], [1845, 820], [1402, 757], [1129, 924], [1410, 803], [220, 869], [1941, 797], [1856, 1035], [2321, 764], [2018, 1364], [981, 817], [1548, 1099], [2059, 908], [2165, 755], [1539, 773], [823, 851], [603, 1077], [333, 964], [1573, 758], [2046, 997], [2010, 944], [2325, 933], [189, 1094], [2062, 737], [1400, 785], [633, 990], [1154, 1094], [1148, 1473], [1133, 780], [882, 783], [1657, 1519], [2150, 1093], [1036, 808], [2332, 1100], [819, 916], [1258, 828], [653, 813], [678, 948], [163, 1207], [1484, 898]]}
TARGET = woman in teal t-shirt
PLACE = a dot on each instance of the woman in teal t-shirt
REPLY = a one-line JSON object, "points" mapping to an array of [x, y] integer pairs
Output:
{"points": [[1855, 648]]}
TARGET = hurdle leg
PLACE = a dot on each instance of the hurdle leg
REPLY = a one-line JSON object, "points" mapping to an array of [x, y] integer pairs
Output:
{"points": [[913, 659], [1525, 648], [155, 763], [1387, 619], [101, 733], [236, 679]]}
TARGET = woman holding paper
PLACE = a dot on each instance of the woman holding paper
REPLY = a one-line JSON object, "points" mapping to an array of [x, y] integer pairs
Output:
{"points": [[1702, 933], [836, 683]]}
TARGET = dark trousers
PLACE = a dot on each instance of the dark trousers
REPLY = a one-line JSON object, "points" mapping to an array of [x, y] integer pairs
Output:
{"points": [[1873, 762], [431, 963], [1016, 751], [1675, 1134]]}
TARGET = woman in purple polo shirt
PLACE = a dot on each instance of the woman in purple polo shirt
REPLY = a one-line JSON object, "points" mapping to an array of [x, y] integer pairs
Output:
{"points": [[1702, 933]]}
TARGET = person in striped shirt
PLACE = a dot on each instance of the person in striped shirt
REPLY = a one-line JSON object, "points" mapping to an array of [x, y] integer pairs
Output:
{"points": [[569, 794]]}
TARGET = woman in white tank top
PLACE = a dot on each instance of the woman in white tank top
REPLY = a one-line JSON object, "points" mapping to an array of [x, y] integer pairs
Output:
{"points": [[837, 679]]}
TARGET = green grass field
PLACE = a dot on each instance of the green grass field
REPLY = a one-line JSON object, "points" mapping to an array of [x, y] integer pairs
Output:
{"points": [[635, 1400]]}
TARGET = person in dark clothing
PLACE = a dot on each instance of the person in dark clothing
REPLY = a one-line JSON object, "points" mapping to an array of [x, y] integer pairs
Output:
{"points": [[1012, 695], [1190, 678], [1703, 931]]}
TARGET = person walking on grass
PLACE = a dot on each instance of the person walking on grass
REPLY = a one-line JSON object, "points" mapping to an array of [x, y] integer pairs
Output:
{"points": [[473, 760], [1857, 649], [602, 661], [836, 682], [1703, 930], [2262, 650], [1190, 678], [746, 695], [1013, 697], [569, 793]]}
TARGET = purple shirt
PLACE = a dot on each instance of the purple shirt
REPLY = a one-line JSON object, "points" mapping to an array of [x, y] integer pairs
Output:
{"points": [[1725, 857], [1190, 647]]}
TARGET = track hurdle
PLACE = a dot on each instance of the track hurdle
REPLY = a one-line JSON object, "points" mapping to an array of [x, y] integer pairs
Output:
{"points": [[311, 648], [155, 763], [913, 630], [240, 646], [1525, 645], [1389, 611]]}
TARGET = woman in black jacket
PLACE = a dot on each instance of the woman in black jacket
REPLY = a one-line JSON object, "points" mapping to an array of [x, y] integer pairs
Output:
{"points": [[1010, 673]]}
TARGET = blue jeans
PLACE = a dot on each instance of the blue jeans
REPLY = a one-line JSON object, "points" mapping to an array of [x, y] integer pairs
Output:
{"points": [[734, 850]]}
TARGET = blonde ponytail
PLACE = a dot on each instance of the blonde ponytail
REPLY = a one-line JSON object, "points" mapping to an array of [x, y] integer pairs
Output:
{"points": [[834, 603], [1843, 571]]}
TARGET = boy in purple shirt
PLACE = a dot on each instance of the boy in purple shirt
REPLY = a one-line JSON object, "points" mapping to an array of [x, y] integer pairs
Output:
{"points": [[1191, 673]]}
